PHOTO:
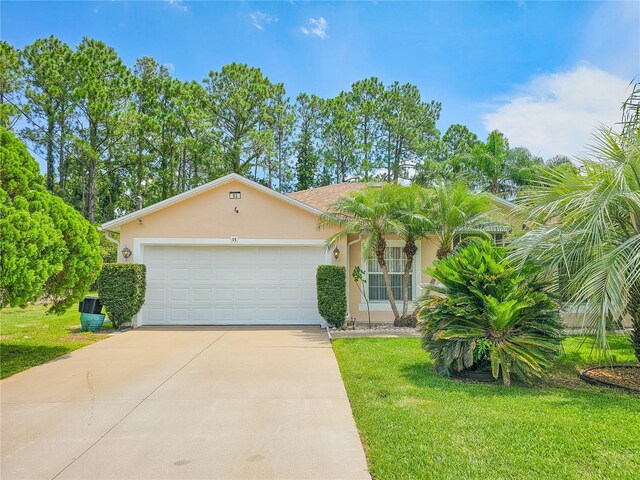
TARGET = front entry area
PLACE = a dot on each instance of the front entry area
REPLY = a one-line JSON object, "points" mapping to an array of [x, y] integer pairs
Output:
{"points": [[231, 285]]}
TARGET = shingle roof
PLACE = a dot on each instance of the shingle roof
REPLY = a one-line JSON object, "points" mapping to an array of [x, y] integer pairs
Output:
{"points": [[322, 197]]}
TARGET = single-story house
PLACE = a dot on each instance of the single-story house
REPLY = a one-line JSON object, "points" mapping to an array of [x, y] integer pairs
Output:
{"points": [[235, 252]]}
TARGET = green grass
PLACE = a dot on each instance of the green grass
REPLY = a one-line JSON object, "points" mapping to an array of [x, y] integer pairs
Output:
{"points": [[416, 425], [29, 337]]}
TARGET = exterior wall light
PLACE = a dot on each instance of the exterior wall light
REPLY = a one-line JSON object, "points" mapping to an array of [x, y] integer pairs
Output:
{"points": [[126, 252], [336, 252]]}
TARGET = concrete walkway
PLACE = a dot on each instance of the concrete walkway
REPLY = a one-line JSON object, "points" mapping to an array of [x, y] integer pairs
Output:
{"points": [[230, 403]]}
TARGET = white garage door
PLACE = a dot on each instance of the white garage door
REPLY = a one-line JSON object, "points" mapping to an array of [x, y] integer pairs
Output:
{"points": [[238, 285]]}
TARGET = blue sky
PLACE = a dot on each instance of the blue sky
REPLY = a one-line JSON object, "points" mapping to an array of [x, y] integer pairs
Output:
{"points": [[545, 73]]}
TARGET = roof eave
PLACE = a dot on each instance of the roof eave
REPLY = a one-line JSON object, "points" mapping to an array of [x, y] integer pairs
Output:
{"points": [[114, 225]]}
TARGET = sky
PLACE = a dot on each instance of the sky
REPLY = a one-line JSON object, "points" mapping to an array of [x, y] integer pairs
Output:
{"points": [[544, 73]]}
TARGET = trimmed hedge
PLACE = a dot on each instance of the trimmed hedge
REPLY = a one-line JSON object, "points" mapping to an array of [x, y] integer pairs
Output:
{"points": [[121, 288], [331, 281]]}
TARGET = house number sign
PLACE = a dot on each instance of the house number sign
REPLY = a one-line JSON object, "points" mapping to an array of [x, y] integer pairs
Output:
{"points": [[234, 239]]}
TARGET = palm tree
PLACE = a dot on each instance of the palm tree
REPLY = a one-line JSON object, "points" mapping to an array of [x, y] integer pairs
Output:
{"points": [[369, 213], [410, 207], [587, 231], [455, 211]]}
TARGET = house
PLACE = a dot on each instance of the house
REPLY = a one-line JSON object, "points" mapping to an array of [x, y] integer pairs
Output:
{"points": [[235, 252]]}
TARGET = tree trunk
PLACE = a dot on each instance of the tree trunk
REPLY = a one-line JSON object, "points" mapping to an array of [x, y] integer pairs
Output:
{"points": [[62, 162], [443, 252], [380, 249], [409, 250], [51, 164], [91, 175]]}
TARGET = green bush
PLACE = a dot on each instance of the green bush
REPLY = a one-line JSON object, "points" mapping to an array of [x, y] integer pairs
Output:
{"points": [[331, 281], [48, 249], [488, 314], [121, 288]]}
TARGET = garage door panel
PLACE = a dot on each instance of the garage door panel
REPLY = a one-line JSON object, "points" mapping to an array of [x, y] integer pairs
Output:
{"points": [[201, 295], [179, 274], [156, 315], [157, 273], [156, 295], [201, 274], [246, 294], [201, 315], [224, 294], [179, 315], [231, 285]]}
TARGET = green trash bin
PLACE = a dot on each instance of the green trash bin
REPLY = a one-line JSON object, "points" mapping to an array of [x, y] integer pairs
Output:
{"points": [[91, 322]]}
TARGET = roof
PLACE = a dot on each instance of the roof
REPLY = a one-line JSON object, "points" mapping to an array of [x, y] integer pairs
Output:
{"points": [[321, 198], [502, 201], [114, 225]]}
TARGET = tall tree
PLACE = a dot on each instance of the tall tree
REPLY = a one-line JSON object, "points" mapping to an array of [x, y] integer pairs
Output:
{"points": [[11, 81], [446, 159], [281, 122], [408, 124], [307, 111], [338, 137], [459, 141], [364, 100], [49, 75], [103, 95], [489, 162], [240, 100]]}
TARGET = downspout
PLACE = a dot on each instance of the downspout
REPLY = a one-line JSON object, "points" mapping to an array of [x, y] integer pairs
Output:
{"points": [[109, 237], [352, 242]]}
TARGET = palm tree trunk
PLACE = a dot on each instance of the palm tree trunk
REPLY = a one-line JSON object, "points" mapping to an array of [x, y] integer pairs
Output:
{"points": [[410, 250], [380, 249]]}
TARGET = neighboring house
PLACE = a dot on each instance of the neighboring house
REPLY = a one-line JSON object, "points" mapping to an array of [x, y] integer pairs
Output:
{"points": [[235, 252]]}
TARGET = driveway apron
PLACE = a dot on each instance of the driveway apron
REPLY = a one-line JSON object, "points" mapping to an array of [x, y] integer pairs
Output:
{"points": [[184, 403]]}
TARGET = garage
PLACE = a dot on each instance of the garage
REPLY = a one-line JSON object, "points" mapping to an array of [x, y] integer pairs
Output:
{"points": [[229, 252], [230, 284]]}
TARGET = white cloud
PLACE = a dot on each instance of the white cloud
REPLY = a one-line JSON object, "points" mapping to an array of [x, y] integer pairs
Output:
{"points": [[178, 4], [318, 27], [557, 113], [261, 19]]}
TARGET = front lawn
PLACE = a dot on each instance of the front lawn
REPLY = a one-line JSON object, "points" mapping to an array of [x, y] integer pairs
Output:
{"points": [[29, 337], [416, 425]]}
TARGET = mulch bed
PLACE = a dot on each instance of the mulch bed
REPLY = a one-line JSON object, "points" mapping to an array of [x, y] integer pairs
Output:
{"points": [[626, 377]]}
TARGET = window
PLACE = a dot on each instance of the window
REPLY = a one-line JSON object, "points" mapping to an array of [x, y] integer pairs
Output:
{"points": [[396, 260]]}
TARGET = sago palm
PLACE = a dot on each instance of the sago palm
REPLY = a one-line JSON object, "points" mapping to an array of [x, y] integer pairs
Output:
{"points": [[586, 231], [485, 311]]}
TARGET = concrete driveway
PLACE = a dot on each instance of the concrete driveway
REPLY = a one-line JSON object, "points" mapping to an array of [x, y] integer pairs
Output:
{"points": [[184, 403]]}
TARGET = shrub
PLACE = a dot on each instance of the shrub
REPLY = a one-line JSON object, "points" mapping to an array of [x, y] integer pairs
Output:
{"points": [[121, 288], [48, 249], [489, 314], [331, 281]]}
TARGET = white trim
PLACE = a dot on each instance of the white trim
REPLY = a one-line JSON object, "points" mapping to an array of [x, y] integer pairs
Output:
{"points": [[505, 203], [140, 242], [352, 242], [378, 306], [384, 305], [203, 188]]}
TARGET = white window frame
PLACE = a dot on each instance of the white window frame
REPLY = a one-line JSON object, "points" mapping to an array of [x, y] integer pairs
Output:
{"points": [[384, 305]]}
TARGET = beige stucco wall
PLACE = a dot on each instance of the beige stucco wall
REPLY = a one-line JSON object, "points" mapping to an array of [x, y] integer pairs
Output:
{"points": [[211, 215]]}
